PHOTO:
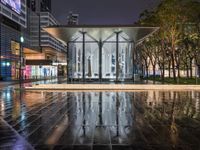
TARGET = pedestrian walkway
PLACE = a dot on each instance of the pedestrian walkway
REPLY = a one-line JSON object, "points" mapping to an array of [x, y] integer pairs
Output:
{"points": [[137, 120], [108, 87], [7, 83], [4, 84]]}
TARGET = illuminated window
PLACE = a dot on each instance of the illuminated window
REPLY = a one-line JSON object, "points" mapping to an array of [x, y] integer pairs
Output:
{"points": [[15, 48]]}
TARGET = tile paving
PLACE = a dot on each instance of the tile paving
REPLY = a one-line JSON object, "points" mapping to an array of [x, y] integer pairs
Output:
{"points": [[9, 139], [100, 120]]}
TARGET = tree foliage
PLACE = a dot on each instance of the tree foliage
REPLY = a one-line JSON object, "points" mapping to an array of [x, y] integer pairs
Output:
{"points": [[177, 41]]}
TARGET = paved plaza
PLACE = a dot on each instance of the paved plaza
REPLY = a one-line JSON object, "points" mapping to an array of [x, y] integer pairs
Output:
{"points": [[134, 120]]}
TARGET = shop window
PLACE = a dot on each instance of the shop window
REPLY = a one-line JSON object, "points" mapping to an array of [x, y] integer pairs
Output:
{"points": [[15, 48]]}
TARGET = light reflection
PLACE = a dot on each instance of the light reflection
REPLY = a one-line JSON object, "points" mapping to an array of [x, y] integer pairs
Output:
{"points": [[128, 112], [2, 108], [22, 116], [58, 132], [21, 144], [197, 106], [8, 95], [16, 112]]}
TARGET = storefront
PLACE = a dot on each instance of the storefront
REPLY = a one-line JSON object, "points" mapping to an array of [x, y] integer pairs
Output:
{"points": [[14, 63], [61, 69], [102, 52], [38, 71]]}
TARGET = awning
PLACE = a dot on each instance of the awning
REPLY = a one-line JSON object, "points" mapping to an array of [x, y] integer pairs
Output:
{"points": [[30, 51], [100, 32], [39, 62]]}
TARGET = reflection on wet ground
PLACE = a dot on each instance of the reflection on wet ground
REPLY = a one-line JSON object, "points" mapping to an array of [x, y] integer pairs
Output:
{"points": [[60, 80], [102, 120], [10, 139], [26, 83]]}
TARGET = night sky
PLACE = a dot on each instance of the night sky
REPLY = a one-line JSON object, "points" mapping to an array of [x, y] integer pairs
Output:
{"points": [[102, 11]]}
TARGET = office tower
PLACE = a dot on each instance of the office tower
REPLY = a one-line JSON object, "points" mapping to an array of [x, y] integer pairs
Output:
{"points": [[72, 18], [39, 5]]}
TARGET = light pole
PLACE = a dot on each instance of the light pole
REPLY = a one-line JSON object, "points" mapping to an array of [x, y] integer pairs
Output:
{"points": [[20, 59]]}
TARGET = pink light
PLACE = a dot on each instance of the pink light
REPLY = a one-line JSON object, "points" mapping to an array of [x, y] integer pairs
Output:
{"points": [[27, 72]]}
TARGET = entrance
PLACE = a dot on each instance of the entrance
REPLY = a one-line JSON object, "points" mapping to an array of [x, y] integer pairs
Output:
{"points": [[111, 59]]}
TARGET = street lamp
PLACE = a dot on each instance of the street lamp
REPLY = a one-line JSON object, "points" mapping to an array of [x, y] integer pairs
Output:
{"points": [[20, 59], [22, 39]]}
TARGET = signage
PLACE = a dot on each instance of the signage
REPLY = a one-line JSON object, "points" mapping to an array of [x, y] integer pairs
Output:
{"points": [[57, 64], [15, 5]]}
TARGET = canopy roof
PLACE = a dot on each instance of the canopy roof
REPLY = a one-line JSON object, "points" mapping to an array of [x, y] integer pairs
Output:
{"points": [[100, 32]]}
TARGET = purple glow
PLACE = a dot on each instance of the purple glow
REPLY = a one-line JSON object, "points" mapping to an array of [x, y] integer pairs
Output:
{"points": [[15, 5]]}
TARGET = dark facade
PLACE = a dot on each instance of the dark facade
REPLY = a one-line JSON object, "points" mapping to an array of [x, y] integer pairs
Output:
{"points": [[10, 33], [73, 19], [46, 5], [39, 5], [15, 56], [11, 29]]}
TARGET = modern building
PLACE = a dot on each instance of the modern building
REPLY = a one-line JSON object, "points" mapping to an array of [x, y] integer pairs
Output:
{"points": [[15, 11], [46, 5], [51, 60], [47, 42], [13, 22], [102, 52], [39, 5], [52, 48], [40, 55], [72, 18]]}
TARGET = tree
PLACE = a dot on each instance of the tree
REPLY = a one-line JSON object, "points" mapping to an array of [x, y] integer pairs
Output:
{"points": [[172, 16], [145, 60]]}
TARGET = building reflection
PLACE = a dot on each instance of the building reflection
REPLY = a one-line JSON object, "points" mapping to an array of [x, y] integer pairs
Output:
{"points": [[127, 116]]}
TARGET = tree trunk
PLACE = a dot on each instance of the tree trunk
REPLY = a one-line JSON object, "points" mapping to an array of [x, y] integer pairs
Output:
{"points": [[143, 71], [191, 74], [163, 73], [147, 72], [173, 66], [187, 71], [178, 68], [169, 68], [154, 72]]}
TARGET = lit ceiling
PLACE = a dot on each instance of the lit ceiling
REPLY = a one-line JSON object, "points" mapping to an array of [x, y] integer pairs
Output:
{"points": [[100, 32]]}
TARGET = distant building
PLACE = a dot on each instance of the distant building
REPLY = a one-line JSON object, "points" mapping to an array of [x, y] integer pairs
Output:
{"points": [[46, 5], [72, 19], [50, 45], [52, 50], [39, 5], [17, 14]]}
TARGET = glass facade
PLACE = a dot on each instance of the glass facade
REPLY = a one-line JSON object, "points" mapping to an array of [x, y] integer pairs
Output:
{"points": [[111, 59], [10, 47], [38, 72]]}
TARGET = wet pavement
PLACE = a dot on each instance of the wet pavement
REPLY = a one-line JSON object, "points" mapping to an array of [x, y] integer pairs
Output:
{"points": [[10, 139], [160, 120], [30, 82]]}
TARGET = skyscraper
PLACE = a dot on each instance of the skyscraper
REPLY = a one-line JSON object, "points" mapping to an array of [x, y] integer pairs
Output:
{"points": [[45, 5], [40, 5], [72, 19]]}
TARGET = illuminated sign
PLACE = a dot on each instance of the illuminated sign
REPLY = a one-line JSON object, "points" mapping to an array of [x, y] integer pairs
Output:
{"points": [[15, 5], [15, 48], [56, 64]]}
